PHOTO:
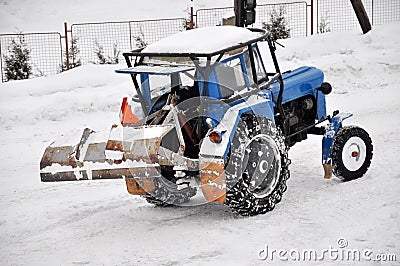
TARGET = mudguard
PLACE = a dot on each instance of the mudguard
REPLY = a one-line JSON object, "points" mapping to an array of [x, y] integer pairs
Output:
{"points": [[260, 104], [327, 141]]}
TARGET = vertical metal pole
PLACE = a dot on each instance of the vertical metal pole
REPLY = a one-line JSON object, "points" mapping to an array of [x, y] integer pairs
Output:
{"points": [[238, 13], [130, 36], [61, 53], [66, 44], [316, 13], [191, 15], [372, 12], [1, 64], [312, 17]]}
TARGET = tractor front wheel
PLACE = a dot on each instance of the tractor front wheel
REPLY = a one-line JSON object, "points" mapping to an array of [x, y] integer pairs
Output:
{"points": [[352, 152]]}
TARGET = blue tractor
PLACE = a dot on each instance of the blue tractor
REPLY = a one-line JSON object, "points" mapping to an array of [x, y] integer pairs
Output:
{"points": [[212, 110]]}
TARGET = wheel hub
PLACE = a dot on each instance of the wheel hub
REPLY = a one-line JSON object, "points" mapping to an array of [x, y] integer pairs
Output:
{"points": [[262, 165], [354, 153]]}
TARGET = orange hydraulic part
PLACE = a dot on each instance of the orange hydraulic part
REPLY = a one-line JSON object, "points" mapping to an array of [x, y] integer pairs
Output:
{"points": [[139, 187], [328, 171], [126, 116], [213, 181]]}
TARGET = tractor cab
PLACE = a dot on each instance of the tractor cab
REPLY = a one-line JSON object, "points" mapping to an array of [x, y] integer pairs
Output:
{"points": [[201, 84], [241, 71]]}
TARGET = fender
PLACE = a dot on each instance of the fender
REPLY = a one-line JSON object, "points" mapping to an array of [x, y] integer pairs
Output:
{"points": [[259, 104], [335, 123]]}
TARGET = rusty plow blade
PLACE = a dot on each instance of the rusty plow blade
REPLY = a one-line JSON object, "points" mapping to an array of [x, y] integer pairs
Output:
{"points": [[122, 152]]}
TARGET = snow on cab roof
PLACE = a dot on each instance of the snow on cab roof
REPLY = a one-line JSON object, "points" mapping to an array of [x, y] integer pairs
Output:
{"points": [[202, 40]]}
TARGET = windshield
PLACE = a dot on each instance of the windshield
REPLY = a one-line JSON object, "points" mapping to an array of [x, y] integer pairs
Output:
{"points": [[162, 84]]}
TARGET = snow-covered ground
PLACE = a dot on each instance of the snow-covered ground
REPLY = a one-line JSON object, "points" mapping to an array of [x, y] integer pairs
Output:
{"points": [[100, 223]]}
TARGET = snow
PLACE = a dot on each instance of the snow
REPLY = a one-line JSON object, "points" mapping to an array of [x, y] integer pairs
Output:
{"points": [[155, 70], [100, 223], [148, 132], [194, 41], [45, 15]]}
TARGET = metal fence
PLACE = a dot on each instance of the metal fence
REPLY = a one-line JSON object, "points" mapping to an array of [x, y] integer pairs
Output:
{"points": [[296, 16], [338, 15], [384, 11], [45, 52], [295, 13], [114, 38], [111, 39]]}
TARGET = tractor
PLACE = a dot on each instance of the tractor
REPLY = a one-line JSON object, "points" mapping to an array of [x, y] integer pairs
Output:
{"points": [[213, 114]]}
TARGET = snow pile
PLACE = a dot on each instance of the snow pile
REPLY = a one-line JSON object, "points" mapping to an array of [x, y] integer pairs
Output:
{"points": [[202, 40], [99, 223], [85, 90]]}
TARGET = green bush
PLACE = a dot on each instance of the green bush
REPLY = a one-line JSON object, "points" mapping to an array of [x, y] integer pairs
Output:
{"points": [[17, 64], [102, 59], [277, 24]]}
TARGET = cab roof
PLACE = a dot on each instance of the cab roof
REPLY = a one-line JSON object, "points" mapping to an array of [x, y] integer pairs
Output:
{"points": [[202, 42]]}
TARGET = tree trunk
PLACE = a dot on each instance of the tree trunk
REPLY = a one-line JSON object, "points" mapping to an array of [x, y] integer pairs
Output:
{"points": [[362, 15]]}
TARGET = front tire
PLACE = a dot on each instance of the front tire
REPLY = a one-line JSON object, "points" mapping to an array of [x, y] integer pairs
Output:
{"points": [[257, 168], [352, 152]]}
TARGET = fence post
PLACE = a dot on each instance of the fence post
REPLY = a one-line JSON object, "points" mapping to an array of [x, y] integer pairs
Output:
{"points": [[312, 17], [191, 15], [66, 45], [130, 36], [372, 12], [1, 64]]}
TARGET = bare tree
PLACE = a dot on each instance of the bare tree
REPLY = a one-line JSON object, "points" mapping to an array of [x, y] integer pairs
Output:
{"points": [[324, 24], [139, 39], [73, 55]]}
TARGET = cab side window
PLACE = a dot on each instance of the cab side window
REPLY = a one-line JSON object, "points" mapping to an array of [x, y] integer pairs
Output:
{"points": [[260, 72], [230, 77]]}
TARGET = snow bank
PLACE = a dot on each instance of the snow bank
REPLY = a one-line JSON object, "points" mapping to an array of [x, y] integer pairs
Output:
{"points": [[87, 89]]}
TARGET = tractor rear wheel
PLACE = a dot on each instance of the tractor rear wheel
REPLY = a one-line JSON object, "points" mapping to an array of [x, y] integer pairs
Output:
{"points": [[257, 168], [352, 152], [166, 192]]}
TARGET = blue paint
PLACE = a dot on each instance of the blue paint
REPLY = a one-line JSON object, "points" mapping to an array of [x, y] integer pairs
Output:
{"points": [[330, 132], [321, 105], [298, 83], [144, 79]]}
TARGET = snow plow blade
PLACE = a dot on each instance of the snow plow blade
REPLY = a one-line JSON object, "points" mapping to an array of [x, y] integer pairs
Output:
{"points": [[122, 152]]}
